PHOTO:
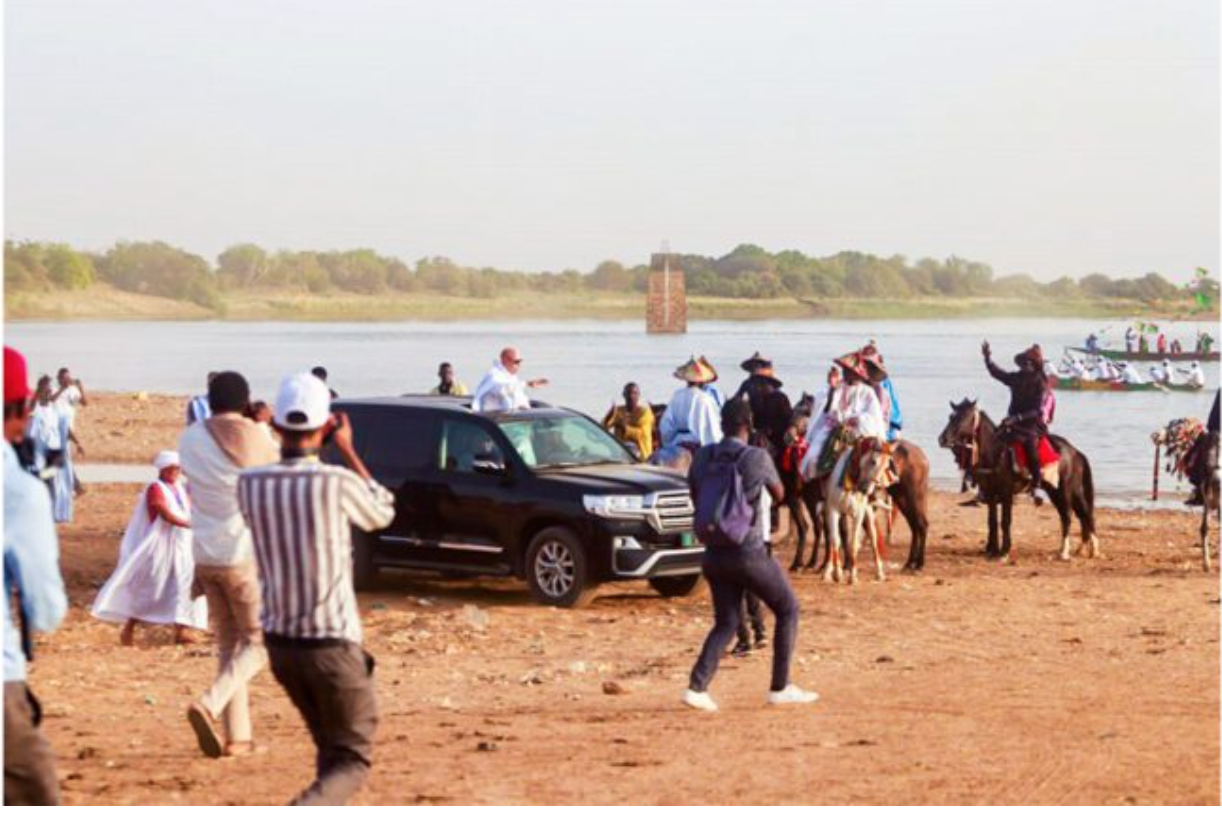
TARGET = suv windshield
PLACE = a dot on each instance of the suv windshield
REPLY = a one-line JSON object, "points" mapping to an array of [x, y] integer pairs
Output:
{"points": [[546, 442]]}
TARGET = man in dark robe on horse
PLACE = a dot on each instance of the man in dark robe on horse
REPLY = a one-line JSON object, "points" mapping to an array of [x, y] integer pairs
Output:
{"points": [[1197, 465], [770, 407], [1025, 418]]}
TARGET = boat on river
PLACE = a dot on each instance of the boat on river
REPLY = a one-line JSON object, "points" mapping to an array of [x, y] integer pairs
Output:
{"points": [[1097, 386], [1152, 356]]}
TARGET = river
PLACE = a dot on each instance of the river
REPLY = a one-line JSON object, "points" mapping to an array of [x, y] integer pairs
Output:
{"points": [[931, 363]]}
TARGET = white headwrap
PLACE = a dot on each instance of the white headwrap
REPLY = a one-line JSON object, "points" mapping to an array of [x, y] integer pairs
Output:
{"points": [[167, 457]]}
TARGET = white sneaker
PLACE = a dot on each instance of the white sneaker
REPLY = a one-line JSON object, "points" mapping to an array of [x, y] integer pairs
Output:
{"points": [[793, 694], [699, 700]]}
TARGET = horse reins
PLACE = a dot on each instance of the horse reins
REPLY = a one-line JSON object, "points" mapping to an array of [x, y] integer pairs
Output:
{"points": [[971, 446]]}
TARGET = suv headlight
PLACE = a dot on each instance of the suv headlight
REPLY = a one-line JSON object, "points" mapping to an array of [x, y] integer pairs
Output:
{"points": [[614, 505]]}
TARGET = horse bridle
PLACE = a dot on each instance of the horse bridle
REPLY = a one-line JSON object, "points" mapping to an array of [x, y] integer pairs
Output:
{"points": [[971, 444]]}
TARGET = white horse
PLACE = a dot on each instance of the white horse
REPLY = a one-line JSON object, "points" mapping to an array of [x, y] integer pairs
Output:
{"points": [[856, 505]]}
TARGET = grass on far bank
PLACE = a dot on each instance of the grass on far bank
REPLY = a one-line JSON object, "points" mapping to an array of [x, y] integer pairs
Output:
{"points": [[103, 302]]}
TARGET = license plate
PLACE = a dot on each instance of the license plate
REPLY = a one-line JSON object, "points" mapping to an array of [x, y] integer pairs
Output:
{"points": [[687, 539]]}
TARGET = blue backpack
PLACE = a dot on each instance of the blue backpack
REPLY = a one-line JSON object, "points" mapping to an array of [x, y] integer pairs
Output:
{"points": [[723, 513]]}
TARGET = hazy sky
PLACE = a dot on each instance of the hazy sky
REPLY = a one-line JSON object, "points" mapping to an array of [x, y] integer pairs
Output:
{"points": [[1055, 137]]}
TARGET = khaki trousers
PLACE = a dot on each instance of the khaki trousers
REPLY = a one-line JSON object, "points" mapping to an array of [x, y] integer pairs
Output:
{"points": [[331, 684], [29, 765], [233, 611]]}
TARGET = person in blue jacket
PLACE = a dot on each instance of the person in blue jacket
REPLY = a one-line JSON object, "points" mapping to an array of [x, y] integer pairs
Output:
{"points": [[32, 579], [885, 390]]}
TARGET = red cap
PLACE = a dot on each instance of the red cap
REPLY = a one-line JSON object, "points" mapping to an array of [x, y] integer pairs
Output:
{"points": [[16, 377]]}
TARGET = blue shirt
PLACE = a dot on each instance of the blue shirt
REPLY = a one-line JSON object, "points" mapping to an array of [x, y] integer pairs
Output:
{"points": [[896, 422], [198, 409], [31, 561]]}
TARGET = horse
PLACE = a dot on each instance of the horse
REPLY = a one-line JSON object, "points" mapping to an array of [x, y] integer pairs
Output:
{"points": [[909, 495], [1191, 451], [855, 502], [1210, 488], [973, 437]]}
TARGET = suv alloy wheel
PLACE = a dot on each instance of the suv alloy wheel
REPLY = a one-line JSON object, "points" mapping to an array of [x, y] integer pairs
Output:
{"points": [[556, 569]]}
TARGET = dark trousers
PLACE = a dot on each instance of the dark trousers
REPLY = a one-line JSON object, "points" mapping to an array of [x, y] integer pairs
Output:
{"points": [[331, 684], [731, 572], [1029, 432], [751, 620], [29, 765]]}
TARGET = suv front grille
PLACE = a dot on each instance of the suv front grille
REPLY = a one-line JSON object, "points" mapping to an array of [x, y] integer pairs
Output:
{"points": [[672, 511]]}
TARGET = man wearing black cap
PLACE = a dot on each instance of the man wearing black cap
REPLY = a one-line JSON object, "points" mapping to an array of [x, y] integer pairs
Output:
{"points": [[1025, 417], [734, 568]]}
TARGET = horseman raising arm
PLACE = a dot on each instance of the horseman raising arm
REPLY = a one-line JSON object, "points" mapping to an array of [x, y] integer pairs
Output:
{"points": [[1025, 417]]}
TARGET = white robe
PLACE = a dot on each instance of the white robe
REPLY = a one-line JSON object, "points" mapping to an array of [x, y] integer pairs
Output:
{"points": [[152, 582], [499, 391], [852, 401], [1196, 376], [691, 417]]}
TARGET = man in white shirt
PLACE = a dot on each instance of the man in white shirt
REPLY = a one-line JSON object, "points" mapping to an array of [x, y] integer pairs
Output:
{"points": [[1130, 374], [1196, 375], [213, 453], [69, 396], [1168, 373], [693, 417], [501, 389], [66, 399]]}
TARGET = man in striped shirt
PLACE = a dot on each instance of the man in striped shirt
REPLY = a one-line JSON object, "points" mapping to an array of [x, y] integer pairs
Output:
{"points": [[299, 512]]}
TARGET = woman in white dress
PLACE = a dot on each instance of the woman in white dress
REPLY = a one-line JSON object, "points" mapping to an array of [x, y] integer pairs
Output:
{"points": [[152, 582]]}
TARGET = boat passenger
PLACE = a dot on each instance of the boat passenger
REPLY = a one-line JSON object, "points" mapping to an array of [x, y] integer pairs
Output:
{"points": [[1196, 375]]}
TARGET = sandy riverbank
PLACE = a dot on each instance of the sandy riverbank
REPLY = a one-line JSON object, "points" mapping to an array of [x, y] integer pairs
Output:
{"points": [[1034, 681]]}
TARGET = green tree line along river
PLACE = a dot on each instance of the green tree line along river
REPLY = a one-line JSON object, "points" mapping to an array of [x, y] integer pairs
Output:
{"points": [[747, 273]]}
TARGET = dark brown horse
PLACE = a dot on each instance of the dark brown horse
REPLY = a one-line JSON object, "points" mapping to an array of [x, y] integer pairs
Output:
{"points": [[973, 437], [1210, 489]]}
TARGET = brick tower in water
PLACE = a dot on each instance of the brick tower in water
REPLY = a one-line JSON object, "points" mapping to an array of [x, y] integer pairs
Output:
{"points": [[666, 302]]}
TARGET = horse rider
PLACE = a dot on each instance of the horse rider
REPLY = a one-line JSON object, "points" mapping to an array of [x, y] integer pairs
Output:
{"points": [[1198, 457], [692, 419], [770, 407], [880, 379], [853, 406], [1027, 414]]}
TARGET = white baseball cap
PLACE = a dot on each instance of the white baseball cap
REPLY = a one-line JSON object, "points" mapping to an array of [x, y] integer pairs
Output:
{"points": [[303, 403]]}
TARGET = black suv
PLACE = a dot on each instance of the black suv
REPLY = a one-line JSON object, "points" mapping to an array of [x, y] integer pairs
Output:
{"points": [[544, 494]]}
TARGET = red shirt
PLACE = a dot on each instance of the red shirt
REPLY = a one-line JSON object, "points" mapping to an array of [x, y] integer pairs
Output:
{"points": [[158, 500]]}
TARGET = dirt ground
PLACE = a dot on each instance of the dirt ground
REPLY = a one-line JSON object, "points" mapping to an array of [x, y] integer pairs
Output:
{"points": [[129, 428], [1034, 681]]}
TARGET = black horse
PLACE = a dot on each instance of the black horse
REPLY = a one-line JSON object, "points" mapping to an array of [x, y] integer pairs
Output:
{"points": [[973, 437]]}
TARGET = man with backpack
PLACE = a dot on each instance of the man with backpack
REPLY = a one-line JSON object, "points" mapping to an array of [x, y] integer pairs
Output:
{"points": [[729, 481]]}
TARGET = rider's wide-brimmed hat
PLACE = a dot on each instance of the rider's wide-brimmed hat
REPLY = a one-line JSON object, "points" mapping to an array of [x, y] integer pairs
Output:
{"points": [[696, 371], [874, 363], [1032, 354], [853, 363], [757, 364]]}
